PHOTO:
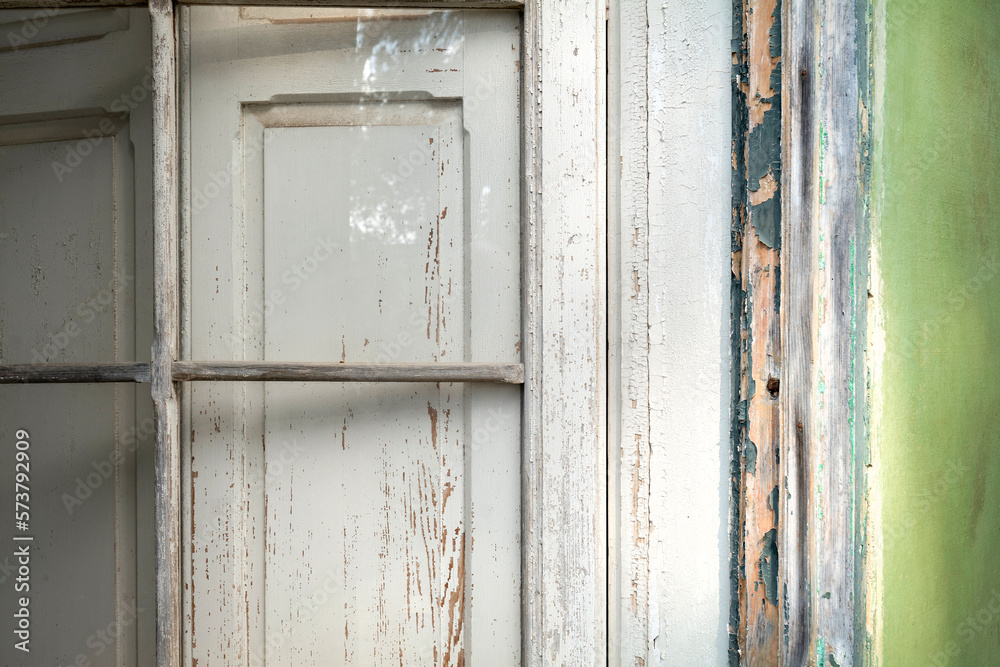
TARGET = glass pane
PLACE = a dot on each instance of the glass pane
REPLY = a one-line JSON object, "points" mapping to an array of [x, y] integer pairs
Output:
{"points": [[354, 192], [76, 287]]}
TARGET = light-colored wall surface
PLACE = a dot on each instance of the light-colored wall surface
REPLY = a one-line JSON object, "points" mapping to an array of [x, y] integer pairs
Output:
{"points": [[936, 335], [674, 487]]}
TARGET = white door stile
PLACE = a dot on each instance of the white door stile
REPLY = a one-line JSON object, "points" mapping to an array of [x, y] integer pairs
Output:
{"points": [[565, 449]]}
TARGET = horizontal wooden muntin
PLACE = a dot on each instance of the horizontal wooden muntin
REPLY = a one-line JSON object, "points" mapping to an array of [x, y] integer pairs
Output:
{"points": [[249, 371], [73, 373], [253, 371], [374, 4]]}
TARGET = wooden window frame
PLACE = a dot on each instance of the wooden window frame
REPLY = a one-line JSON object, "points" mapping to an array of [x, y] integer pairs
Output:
{"points": [[564, 466], [800, 396], [818, 425]]}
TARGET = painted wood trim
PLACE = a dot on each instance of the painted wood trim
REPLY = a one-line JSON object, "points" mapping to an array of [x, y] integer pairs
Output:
{"points": [[165, 341], [628, 331], [62, 129], [565, 457], [342, 372], [79, 373], [821, 311], [755, 613]]}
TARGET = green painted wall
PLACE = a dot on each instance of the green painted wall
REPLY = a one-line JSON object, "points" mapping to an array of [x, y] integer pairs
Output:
{"points": [[936, 266]]}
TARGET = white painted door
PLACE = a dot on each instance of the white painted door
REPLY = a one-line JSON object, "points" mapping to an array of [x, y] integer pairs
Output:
{"points": [[75, 286], [351, 193]]}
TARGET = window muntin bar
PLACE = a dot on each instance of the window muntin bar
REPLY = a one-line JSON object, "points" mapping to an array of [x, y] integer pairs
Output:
{"points": [[248, 371]]}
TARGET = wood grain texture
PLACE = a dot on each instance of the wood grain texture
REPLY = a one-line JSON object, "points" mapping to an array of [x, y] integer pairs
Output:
{"points": [[565, 453], [165, 342], [79, 373], [343, 372], [819, 328], [757, 270]]}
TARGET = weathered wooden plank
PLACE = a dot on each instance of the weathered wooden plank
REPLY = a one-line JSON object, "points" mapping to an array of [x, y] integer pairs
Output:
{"points": [[819, 328], [249, 371], [165, 342], [78, 373], [757, 273], [798, 299], [215, 371]]}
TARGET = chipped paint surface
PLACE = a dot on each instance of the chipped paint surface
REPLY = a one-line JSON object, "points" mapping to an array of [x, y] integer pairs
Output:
{"points": [[755, 618], [689, 384], [668, 277]]}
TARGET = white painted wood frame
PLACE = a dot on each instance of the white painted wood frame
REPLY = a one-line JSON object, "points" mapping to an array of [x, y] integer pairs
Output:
{"points": [[670, 132], [564, 455], [565, 450]]}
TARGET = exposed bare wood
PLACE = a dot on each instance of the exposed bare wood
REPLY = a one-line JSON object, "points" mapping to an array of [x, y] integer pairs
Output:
{"points": [[79, 373], [757, 270], [256, 372], [165, 342], [819, 327], [249, 371], [798, 296]]}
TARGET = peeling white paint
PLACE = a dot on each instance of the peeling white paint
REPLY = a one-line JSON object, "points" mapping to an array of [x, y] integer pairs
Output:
{"points": [[689, 255]]}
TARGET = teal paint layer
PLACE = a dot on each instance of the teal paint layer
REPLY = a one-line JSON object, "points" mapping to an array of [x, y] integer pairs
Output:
{"points": [[936, 234]]}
